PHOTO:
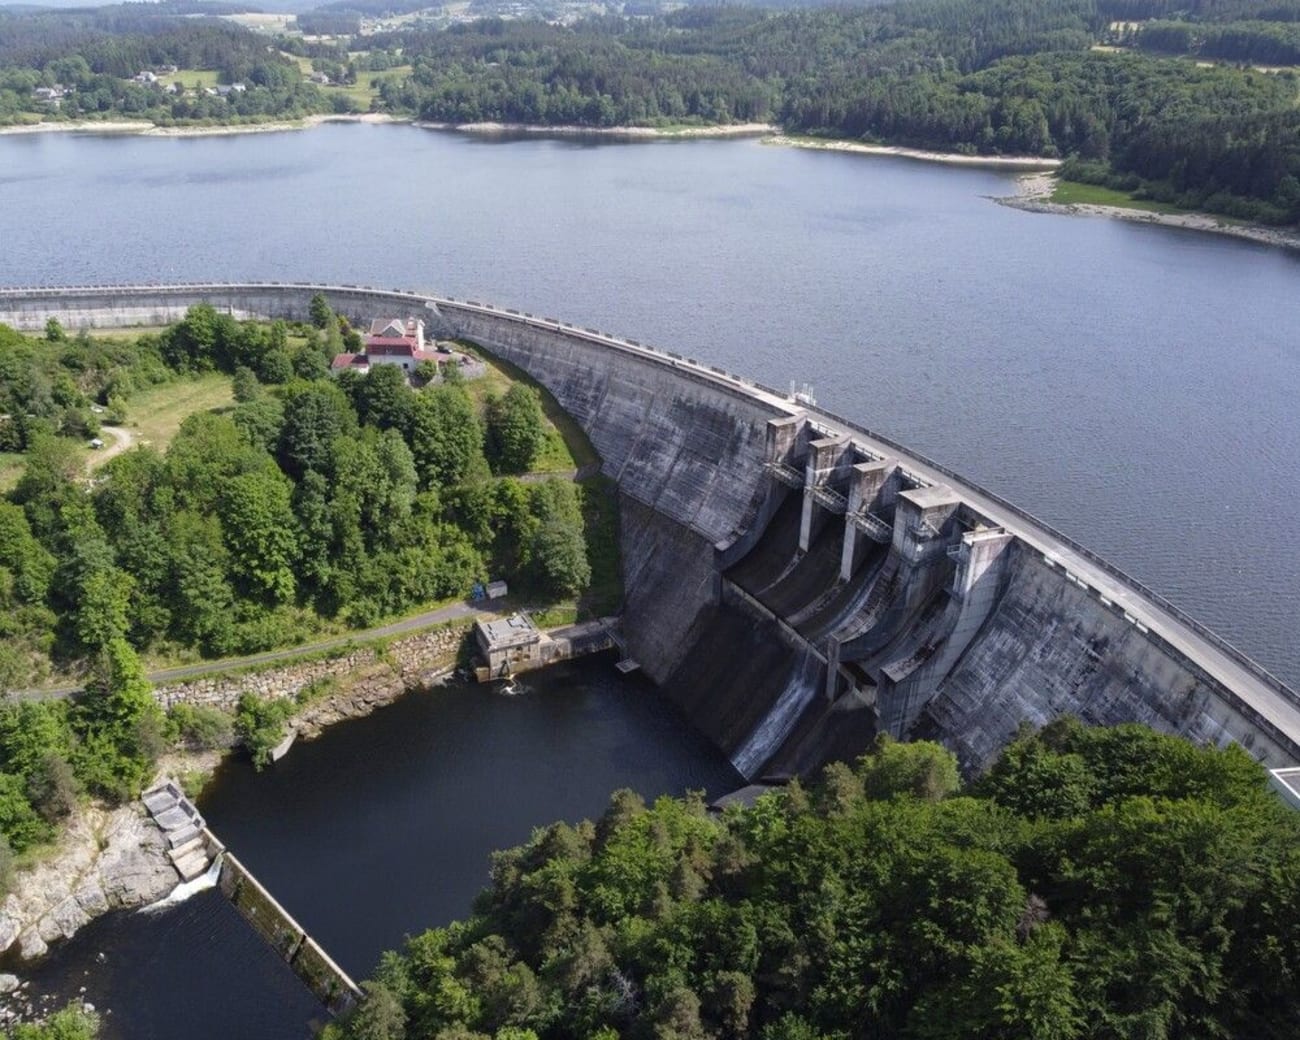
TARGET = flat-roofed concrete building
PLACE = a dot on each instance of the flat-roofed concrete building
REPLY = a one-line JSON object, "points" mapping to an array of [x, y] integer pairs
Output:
{"points": [[509, 644]]}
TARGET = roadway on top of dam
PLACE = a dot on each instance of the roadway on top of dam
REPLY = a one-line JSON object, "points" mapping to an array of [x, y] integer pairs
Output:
{"points": [[1272, 703], [1267, 696]]}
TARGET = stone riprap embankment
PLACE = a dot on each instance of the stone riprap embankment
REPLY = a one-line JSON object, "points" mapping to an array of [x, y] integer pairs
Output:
{"points": [[909, 599], [350, 685]]}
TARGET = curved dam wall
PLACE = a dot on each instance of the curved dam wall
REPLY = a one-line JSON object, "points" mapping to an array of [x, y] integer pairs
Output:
{"points": [[797, 583]]}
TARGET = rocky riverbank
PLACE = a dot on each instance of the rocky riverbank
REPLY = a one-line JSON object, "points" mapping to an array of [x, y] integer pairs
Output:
{"points": [[332, 688], [108, 859], [116, 858], [719, 130], [1034, 194]]}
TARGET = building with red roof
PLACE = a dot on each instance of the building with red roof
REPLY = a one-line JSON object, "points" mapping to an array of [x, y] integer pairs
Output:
{"points": [[391, 341]]}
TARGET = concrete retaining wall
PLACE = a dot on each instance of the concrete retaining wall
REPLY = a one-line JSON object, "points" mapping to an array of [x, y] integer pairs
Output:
{"points": [[688, 444], [686, 448], [1051, 649], [101, 307]]}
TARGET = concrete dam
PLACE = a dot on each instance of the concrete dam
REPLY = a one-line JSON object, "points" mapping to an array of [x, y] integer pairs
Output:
{"points": [[797, 583]]}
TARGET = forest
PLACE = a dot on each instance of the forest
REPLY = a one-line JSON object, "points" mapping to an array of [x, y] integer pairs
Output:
{"points": [[1094, 883], [997, 77], [312, 500], [92, 55]]}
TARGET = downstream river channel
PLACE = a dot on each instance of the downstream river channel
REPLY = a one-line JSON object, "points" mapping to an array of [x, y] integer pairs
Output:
{"points": [[381, 828], [1135, 386]]}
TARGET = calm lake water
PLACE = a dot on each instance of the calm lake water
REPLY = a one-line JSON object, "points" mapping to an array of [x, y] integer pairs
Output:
{"points": [[1135, 386]]}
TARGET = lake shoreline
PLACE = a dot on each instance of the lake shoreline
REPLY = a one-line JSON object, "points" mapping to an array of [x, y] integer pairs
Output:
{"points": [[1034, 191], [145, 128], [994, 162], [114, 858], [768, 133], [489, 129]]}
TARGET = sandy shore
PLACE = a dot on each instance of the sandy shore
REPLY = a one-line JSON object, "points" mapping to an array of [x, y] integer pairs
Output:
{"points": [[1010, 162], [147, 129], [730, 130], [1034, 190], [770, 134], [144, 128]]}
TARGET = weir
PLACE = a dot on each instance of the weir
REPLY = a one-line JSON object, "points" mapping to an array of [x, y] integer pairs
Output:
{"points": [[328, 982], [201, 860], [769, 546]]}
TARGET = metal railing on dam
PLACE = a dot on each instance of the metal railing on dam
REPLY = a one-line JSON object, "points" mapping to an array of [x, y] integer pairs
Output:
{"points": [[1260, 695]]}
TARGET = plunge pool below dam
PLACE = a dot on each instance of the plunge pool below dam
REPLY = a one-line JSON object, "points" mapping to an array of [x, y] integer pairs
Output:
{"points": [[382, 827]]}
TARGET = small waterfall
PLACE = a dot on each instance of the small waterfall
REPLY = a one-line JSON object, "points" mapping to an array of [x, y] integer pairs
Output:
{"points": [[775, 726], [185, 889]]}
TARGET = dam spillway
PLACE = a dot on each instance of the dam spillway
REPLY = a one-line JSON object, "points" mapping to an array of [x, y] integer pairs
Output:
{"points": [[797, 582]]}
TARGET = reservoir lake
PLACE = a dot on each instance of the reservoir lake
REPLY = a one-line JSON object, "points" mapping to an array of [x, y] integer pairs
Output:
{"points": [[1133, 385]]}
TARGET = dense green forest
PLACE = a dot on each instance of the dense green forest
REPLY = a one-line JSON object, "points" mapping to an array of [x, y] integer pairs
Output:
{"points": [[348, 498], [1096, 883], [310, 498], [995, 77]]}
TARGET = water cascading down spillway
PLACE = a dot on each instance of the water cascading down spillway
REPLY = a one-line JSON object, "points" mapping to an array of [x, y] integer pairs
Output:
{"points": [[841, 618]]}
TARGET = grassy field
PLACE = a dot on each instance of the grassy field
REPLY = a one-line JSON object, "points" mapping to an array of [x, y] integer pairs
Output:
{"points": [[572, 450], [190, 78], [157, 413], [271, 24], [555, 456], [1071, 193], [11, 468], [362, 92], [134, 332], [567, 447], [554, 617]]}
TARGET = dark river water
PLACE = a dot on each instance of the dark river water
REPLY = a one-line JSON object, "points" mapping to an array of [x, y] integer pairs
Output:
{"points": [[1135, 386], [381, 828]]}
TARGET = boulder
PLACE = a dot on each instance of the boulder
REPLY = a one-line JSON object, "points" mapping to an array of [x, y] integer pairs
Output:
{"points": [[32, 946], [10, 926], [91, 898]]}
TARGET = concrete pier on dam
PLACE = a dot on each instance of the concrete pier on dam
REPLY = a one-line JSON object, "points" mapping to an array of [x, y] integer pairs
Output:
{"points": [[798, 583]]}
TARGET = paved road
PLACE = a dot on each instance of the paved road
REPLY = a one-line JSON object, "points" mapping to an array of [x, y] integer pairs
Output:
{"points": [[1278, 707], [452, 612]]}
